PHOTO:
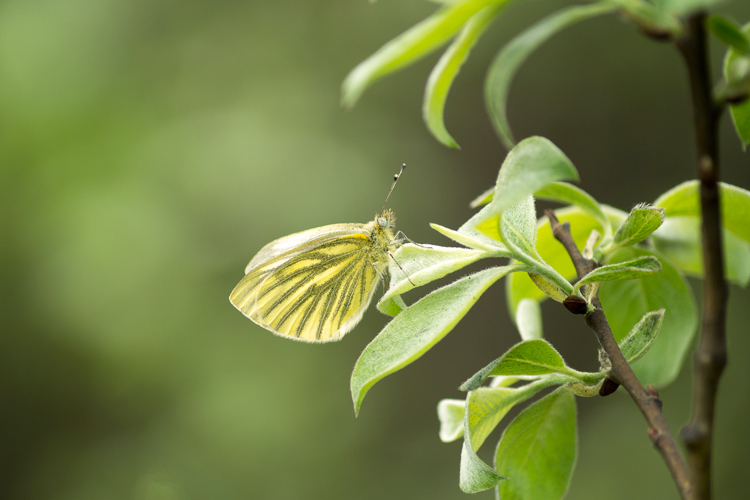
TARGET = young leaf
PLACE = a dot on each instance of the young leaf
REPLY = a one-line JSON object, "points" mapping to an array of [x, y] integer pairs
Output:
{"points": [[530, 166], [641, 222], [410, 46], [630, 270], [483, 198], [413, 332], [472, 239], [736, 70], [678, 239], [527, 358], [416, 265], [625, 302], [484, 227], [393, 306], [510, 58], [451, 415], [684, 200], [728, 32], [518, 230], [529, 319], [519, 286], [446, 70], [538, 450], [642, 336]]}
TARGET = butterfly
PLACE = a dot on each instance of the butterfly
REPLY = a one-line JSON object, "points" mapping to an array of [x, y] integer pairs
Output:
{"points": [[315, 285]]}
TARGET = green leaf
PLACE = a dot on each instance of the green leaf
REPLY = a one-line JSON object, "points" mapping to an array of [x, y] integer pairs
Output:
{"points": [[642, 336], [737, 71], [484, 409], [518, 230], [682, 7], [519, 286], [538, 450], [529, 358], [510, 58], [729, 32], [410, 46], [451, 416], [483, 198], [422, 264], [684, 200], [446, 70], [563, 192], [483, 227], [532, 165], [641, 222], [630, 270], [679, 239], [474, 240], [650, 18], [413, 332], [529, 319], [625, 303]]}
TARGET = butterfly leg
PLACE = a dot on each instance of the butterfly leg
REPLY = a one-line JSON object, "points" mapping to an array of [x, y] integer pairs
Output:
{"points": [[401, 238], [402, 269]]}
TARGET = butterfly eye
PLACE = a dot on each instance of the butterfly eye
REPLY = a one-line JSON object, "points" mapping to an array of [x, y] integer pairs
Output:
{"points": [[382, 222]]}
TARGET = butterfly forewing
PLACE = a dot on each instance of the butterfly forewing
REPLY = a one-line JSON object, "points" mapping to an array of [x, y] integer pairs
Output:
{"points": [[315, 291]]}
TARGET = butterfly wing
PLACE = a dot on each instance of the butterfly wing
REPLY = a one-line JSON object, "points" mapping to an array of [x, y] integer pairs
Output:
{"points": [[313, 286]]}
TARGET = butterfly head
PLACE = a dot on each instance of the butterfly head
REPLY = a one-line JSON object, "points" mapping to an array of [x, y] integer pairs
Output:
{"points": [[386, 220]]}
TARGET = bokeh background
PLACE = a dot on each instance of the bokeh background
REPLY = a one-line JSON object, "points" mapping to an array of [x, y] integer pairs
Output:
{"points": [[149, 148]]}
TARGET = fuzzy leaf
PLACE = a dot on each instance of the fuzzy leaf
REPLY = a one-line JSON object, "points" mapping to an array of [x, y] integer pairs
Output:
{"points": [[413, 332], [527, 358], [632, 269], [641, 222], [474, 240], [728, 32], [422, 264], [736, 72], [538, 450], [563, 192], [642, 336]]}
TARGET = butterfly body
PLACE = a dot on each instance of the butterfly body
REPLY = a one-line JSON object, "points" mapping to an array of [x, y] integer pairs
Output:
{"points": [[315, 285]]}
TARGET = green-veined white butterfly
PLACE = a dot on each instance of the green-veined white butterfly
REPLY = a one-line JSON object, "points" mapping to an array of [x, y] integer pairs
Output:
{"points": [[315, 285]]}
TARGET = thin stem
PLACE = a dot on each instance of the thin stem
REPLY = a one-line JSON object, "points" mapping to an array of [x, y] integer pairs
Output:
{"points": [[646, 400], [711, 355]]}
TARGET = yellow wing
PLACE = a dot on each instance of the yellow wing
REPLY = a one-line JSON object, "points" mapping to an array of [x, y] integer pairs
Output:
{"points": [[315, 292]]}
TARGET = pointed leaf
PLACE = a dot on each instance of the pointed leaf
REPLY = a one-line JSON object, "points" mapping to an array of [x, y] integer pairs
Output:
{"points": [[530, 166], [527, 358], [518, 230], [474, 239], [446, 70], [483, 227], [538, 450], [625, 302], [483, 198], [393, 306], [642, 336], [417, 265], [641, 222], [510, 58], [413, 332], [410, 46], [632, 269]]}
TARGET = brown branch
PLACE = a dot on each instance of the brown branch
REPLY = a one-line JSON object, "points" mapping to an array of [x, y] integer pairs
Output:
{"points": [[711, 355], [621, 372]]}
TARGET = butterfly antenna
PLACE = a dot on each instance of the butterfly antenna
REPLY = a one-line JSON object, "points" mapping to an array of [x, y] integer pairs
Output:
{"points": [[395, 180]]}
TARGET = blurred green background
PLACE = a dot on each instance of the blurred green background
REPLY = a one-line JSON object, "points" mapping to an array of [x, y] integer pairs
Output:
{"points": [[149, 148]]}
